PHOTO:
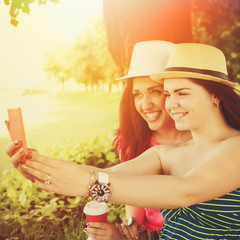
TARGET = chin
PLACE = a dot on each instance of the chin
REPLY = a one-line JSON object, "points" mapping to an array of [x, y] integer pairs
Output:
{"points": [[181, 127], [154, 127]]}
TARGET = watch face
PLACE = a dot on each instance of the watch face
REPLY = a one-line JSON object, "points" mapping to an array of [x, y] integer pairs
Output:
{"points": [[100, 192]]}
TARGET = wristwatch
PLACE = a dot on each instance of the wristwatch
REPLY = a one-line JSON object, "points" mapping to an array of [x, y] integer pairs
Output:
{"points": [[100, 191]]}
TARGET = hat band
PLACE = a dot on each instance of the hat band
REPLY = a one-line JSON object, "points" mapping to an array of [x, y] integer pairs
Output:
{"points": [[201, 71]]}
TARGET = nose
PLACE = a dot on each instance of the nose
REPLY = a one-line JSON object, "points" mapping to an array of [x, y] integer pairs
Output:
{"points": [[146, 103], [171, 102]]}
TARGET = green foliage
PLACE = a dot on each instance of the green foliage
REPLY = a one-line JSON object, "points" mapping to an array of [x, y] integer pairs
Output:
{"points": [[27, 212], [59, 63], [22, 5], [217, 23], [91, 50], [87, 60], [96, 151]]}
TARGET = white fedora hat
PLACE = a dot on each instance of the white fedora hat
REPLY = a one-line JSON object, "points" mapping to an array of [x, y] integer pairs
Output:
{"points": [[148, 57], [195, 60]]}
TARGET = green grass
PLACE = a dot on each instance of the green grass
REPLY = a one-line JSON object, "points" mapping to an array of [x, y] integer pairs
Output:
{"points": [[54, 118]]}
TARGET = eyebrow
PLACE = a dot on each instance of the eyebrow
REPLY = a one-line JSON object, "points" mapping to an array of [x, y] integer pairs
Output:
{"points": [[179, 89], [150, 88]]}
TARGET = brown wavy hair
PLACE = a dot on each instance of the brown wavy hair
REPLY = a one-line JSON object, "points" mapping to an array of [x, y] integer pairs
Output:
{"points": [[229, 100], [133, 135]]}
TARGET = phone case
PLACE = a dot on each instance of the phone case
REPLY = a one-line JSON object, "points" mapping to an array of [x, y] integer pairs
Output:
{"points": [[16, 128]]}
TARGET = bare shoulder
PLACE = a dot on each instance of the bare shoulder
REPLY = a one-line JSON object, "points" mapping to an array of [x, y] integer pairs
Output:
{"points": [[231, 143], [228, 153]]}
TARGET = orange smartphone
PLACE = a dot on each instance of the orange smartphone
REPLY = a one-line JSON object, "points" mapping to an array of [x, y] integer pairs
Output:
{"points": [[16, 128]]}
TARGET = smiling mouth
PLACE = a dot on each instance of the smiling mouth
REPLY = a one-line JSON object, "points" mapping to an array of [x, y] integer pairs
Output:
{"points": [[177, 116], [152, 116]]}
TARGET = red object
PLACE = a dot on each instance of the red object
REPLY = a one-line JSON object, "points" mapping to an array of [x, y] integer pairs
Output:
{"points": [[97, 218], [96, 211], [16, 128], [153, 219]]}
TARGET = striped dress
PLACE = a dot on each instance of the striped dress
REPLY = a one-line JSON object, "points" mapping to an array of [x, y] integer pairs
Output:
{"points": [[215, 219]]}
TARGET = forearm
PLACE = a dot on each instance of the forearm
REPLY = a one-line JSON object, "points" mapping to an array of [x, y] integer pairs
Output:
{"points": [[148, 163], [150, 191], [153, 191]]}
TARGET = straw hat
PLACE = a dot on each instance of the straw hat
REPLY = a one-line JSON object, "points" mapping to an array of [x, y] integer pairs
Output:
{"points": [[148, 57], [195, 60]]}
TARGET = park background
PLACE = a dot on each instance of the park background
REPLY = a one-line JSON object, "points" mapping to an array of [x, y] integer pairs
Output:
{"points": [[58, 63]]}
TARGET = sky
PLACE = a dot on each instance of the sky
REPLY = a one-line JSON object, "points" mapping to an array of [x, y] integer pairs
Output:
{"points": [[22, 48]]}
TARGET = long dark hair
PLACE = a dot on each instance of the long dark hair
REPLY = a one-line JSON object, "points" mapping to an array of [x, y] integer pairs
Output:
{"points": [[133, 135], [229, 100]]}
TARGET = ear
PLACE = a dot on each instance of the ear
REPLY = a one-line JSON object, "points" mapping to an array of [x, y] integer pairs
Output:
{"points": [[215, 101]]}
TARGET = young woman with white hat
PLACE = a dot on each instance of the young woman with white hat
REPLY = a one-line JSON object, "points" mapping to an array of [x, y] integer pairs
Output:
{"points": [[144, 122], [196, 183]]}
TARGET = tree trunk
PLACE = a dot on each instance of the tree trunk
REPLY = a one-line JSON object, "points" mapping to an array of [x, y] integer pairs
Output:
{"points": [[130, 21]]}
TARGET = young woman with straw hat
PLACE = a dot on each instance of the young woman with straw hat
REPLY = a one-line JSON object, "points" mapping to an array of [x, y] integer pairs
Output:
{"points": [[144, 122], [196, 183]]}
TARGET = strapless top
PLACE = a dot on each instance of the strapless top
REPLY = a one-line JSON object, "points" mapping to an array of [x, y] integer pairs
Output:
{"points": [[215, 219]]}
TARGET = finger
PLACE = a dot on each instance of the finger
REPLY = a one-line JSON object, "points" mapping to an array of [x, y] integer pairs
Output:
{"points": [[48, 187], [38, 170], [40, 165], [132, 226], [33, 151], [104, 234], [47, 161], [101, 225], [120, 229], [133, 230], [12, 147], [95, 233], [18, 158], [126, 232], [7, 125]]}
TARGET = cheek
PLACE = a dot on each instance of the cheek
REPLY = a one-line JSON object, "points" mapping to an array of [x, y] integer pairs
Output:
{"points": [[160, 102], [137, 104], [166, 106]]}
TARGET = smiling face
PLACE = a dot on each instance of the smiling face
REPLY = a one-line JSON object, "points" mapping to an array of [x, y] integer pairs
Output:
{"points": [[189, 104], [150, 103]]}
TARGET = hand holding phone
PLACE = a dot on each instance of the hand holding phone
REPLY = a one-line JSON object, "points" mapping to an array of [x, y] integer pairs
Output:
{"points": [[16, 128]]}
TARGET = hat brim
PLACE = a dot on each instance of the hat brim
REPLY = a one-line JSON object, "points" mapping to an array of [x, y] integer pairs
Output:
{"points": [[159, 77], [133, 76]]}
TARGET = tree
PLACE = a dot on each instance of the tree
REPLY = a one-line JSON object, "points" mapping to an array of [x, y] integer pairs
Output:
{"points": [[87, 59], [22, 5], [93, 63], [217, 22], [59, 63], [214, 22], [128, 22]]}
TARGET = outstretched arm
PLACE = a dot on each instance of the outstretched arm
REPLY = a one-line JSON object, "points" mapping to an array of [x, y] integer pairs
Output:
{"points": [[215, 176]]}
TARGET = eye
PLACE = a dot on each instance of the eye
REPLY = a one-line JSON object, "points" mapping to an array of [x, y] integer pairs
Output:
{"points": [[182, 93], [156, 92], [137, 95]]}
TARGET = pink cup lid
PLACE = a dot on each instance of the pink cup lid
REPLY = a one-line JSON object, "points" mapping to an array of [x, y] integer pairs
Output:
{"points": [[95, 208]]}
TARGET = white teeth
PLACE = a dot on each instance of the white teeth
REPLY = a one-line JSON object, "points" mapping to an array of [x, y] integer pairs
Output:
{"points": [[152, 115], [177, 116]]}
